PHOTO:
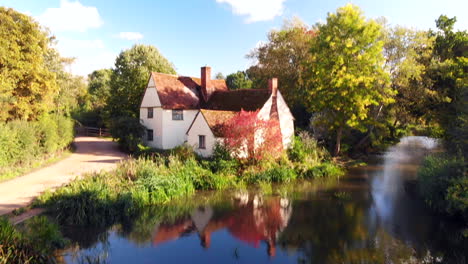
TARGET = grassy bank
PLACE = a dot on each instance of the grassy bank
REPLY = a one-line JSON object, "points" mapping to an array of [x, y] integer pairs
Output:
{"points": [[155, 179], [34, 241], [25, 145], [443, 184]]}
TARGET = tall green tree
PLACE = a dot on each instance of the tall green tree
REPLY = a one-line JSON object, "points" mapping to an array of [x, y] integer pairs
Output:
{"points": [[71, 88], [284, 56], [27, 86], [408, 55], [130, 76], [238, 80], [99, 87], [346, 71], [219, 76], [449, 73]]}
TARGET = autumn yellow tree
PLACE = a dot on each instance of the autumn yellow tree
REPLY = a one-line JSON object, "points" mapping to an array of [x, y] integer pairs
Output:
{"points": [[346, 71], [27, 86]]}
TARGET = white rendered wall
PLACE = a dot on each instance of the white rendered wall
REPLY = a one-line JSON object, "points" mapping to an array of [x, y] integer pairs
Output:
{"points": [[285, 116], [200, 127], [286, 121], [174, 131], [151, 100]]}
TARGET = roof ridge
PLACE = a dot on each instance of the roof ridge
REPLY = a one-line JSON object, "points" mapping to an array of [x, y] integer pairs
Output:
{"points": [[173, 75]]}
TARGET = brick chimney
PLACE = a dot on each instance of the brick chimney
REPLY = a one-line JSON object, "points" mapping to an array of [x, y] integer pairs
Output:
{"points": [[206, 87], [273, 86]]}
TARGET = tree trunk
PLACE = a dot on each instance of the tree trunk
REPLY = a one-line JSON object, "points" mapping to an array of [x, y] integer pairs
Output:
{"points": [[338, 141]]}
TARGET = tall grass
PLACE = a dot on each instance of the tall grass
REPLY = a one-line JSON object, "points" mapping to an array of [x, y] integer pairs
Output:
{"points": [[32, 242], [154, 180]]}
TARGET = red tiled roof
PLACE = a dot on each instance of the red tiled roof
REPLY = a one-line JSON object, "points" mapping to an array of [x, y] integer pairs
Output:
{"points": [[216, 120], [236, 100], [181, 92]]}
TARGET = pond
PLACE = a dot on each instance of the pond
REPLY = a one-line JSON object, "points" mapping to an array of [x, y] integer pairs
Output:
{"points": [[369, 216]]}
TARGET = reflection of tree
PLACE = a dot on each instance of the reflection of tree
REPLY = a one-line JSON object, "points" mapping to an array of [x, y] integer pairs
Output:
{"points": [[326, 231], [319, 230]]}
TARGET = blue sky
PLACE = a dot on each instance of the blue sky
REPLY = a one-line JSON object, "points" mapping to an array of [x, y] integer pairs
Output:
{"points": [[194, 33]]}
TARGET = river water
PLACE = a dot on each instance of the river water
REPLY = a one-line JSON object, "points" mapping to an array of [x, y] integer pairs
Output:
{"points": [[369, 216]]}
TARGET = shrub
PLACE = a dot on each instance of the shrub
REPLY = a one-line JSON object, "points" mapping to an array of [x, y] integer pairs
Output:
{"points": [[184, 152], [222, 161], [443, 183], [22, 142], [128, 131], [48, 134], [306, 150], [250, 137], [276, 173], [325, 169]]}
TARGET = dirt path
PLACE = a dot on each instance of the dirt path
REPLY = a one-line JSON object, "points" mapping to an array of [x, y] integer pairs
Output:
{"points": [[92, 154]]}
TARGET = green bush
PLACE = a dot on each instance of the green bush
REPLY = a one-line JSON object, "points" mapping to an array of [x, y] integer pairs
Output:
{"points": [[306, 150], [325, 169], [48, 134], [443, 184], [23, 143], [128, 131], [277, 173]]}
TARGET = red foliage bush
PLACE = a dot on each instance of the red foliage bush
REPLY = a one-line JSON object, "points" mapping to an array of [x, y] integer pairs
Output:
{"points": [[247, 136]]}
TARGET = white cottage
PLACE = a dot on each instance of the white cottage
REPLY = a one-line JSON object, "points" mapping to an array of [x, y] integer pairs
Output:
{"points": [[178, 109]]}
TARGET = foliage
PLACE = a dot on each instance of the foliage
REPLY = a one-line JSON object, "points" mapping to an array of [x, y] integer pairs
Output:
{"points": [[443, 184], [22, 142], [33, 242], [99, 87], [27, 86], [306, 150], [346, 71], [129, 79], [91, 111], [108, 197], [219, 76], [408, 55], [104, 198], [128, 131], [284, 56], [450, 82], [238, 80], [248, 136]]}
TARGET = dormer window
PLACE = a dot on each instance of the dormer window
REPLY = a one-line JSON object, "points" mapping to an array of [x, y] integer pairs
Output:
{"points": [[150, 112], [177, 114]]}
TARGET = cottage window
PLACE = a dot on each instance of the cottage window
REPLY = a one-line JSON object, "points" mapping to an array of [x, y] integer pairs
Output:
{"points": [[201, 142], [177, 114], [150, 112], [149, 134]]}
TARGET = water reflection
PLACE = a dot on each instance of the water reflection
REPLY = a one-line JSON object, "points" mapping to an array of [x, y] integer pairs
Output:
{"points": [[254, 220], [367, 218]]}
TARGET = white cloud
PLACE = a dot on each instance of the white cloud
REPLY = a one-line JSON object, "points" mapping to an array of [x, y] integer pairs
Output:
{"points": [[130, 35], [256, 10], [90, 54], [71, 16]]}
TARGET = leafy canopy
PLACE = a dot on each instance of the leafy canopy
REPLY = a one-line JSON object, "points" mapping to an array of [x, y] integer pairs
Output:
{"points": [[27, 86], [238, 80], [284, 56], [130, 76], [347, 76]]}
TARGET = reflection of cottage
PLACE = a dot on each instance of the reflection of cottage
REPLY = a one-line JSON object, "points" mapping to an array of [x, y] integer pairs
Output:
{"points": [[178, 109], [252, 222]]}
